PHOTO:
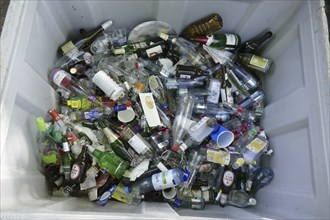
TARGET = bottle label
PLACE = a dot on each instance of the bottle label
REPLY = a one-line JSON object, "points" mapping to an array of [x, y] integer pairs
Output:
{"points": [[58, 77], [121, 195], [49, 158], [230, 98], [154, 51], [75, 171], [119, 51], [223, 95], [214, 89], [223, 198], [218, 157], [228, 178], [231, 39], [256, 145], [163, 180], [75, 104], [259, 61], [138, 145], [139, 45]]}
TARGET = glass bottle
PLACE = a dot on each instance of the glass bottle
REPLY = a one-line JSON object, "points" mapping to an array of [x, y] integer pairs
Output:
{"points": [[202, 129], [172, 83], [226, 89], [182, 120], [158, 91], [192, 55], [263, 177], [109, 161], [188, 72], [159, 181], [154, 51], [85, 39], [255, 97], [116, 144], [254, 149], [220, 40], [67, 161], [79, 167], [255, 62], [48, 150], [64, 80], [240, 199], [154, 68], [249, 82], [137, 142], [203, 26], [57, 118], [252, 45], [246, 138], [228, 180]]}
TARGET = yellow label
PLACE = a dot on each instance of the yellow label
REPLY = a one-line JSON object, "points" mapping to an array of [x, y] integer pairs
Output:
{"points": [[258, 61], [218, 157], [120, 194], [256, 145], [67, 47], [85, 104], [75, 104], [149, 102]]}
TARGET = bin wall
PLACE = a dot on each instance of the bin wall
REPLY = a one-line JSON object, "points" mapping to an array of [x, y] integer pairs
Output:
{"points": [[296, 117]]}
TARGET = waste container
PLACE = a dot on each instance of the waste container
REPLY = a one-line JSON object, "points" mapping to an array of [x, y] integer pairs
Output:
{"points": [[296, 116]]}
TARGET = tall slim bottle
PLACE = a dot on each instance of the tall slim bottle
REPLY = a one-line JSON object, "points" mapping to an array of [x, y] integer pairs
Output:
{"points": [[252, 45]]}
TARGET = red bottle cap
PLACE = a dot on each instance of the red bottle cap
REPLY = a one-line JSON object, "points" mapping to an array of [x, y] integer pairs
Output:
{"points": [[175, 147], [53, 113], [71, 137], [128, 103]]}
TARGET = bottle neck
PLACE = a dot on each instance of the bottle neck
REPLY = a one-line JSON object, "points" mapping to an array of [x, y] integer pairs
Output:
{"points": [[112, 137]]}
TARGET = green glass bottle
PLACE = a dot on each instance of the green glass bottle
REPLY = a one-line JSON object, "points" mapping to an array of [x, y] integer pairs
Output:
{"points": [[115, 143], [220, 40], [67, 161], [47, 147], [255, 62], [109, 161]]}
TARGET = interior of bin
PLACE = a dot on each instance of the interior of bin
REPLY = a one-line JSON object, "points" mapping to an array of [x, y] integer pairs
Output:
{"points": [[293, 117]]}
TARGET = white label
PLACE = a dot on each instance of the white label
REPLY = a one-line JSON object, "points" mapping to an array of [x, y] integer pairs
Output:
{"points": [[154, 51], [214, 89], [231, 39], [163, 180], [228, 178], [223, 95], [138, 144], [58, 77], [230, 98], [149, 109], [200, 124], [75, 171]]}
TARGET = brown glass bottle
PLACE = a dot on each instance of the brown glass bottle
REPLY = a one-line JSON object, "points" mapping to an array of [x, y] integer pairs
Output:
{"points": [[79, 167], [204, 26]]}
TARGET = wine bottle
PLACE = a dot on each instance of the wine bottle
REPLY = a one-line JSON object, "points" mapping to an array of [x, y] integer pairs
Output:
{"points": [[255, 62], [221, 41], [85, 39], [252, 45], [203, 26]]}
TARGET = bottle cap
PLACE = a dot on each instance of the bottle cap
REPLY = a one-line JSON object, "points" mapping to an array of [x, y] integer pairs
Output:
{"points": [[139, 86], [53, 113], [66, 147], [107, 24], [41, 124], [175, 147], [239, 162], [252, 201], [127, 115], [73, 70]]}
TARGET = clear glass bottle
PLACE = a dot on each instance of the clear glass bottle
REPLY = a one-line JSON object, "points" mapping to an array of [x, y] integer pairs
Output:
{"points": [[240, 199], [246, 138], [137, 142], [202, 129], [254, 149], [158, 91]]}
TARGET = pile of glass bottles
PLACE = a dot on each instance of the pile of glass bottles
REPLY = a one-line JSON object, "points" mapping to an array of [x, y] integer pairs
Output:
{"points": [[158, 117]]}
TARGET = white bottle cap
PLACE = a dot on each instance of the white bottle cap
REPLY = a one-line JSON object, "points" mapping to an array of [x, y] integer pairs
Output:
{"points": [[107, 24], [252, 201], [126, 115]]}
